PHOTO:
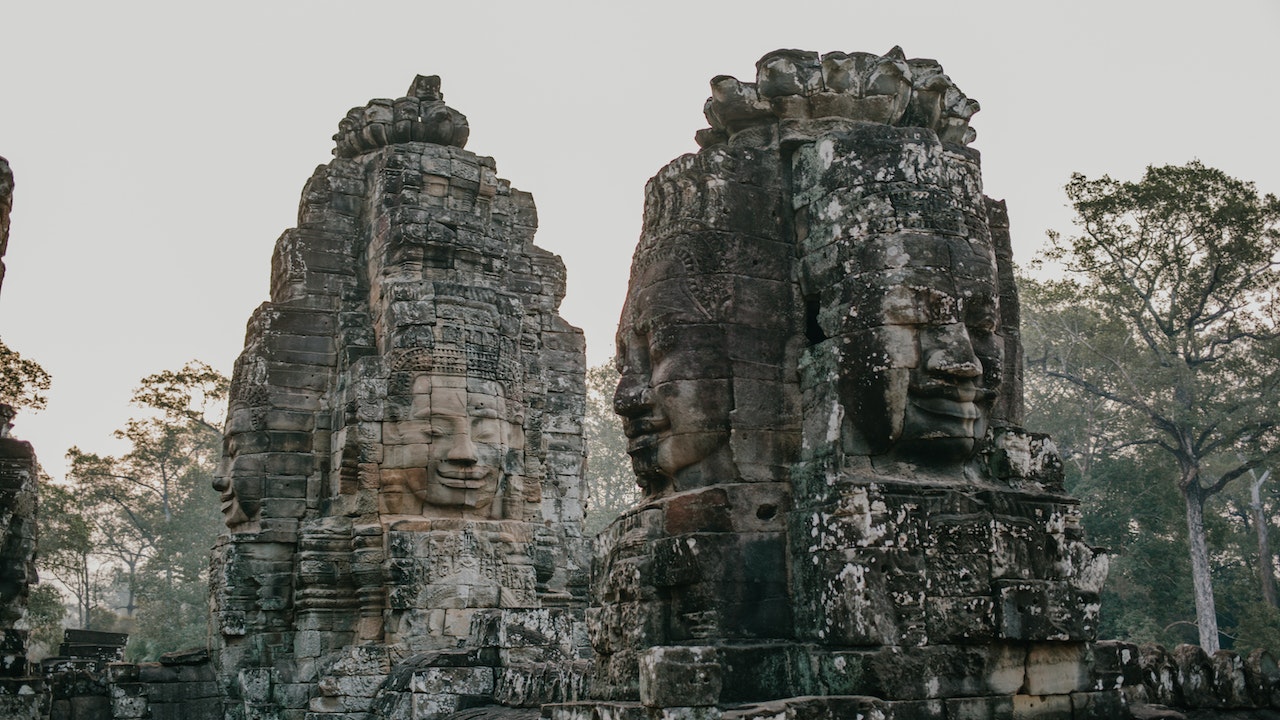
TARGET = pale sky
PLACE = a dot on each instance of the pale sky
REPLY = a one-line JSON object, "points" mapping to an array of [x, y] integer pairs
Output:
{"points": [[160, 148]]}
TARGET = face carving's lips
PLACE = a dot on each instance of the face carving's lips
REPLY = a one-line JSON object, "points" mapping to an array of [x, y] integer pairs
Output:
{"points": [[947, 399], [644, 425], [643, 432], [965, 410], [466, 478]]}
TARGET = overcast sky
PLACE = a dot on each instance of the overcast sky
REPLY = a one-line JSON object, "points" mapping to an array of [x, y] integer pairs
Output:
{"points": [[160, 148]]}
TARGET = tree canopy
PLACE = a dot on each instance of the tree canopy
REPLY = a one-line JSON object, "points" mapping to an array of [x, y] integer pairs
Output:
{"points": [[610, 481], [1168, 328], [23, 382], [149, 515]]}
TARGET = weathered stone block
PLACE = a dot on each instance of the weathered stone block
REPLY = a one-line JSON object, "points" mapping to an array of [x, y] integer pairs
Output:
{"points": [[674, 676], [1057, 668], [1229, 682], [936, 671], [1042, 707], [1195, 677], [457, 680], [1099, 705], [956, 620], [1115, 665], [990, 707]]}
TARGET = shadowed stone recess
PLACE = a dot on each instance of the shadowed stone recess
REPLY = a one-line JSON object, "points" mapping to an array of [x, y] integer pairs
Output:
{"points": [[401, 476]]}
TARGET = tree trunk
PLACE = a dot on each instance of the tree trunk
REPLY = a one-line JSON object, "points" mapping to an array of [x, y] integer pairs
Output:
{"points": [[1206, 613], [1266, 574]]}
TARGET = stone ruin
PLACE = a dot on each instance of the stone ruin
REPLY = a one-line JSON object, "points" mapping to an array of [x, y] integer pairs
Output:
{"points": [[401, 479], [6, 206], [821, 388], [19, 473]]}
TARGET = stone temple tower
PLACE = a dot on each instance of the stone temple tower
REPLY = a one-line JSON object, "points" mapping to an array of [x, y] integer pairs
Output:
{"points": [[821, 388], [401, 473]]}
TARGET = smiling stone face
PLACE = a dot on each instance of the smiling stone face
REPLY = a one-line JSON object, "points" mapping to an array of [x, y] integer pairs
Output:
{"points": [[468, 441], [452, 453]]}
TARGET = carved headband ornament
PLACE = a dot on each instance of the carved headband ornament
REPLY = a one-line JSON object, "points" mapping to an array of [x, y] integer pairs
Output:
{"points": [[474, 360], [708, 289], [421, 116], [798, 84]]}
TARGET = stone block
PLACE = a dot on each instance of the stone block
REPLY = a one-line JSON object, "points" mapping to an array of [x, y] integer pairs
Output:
{"points": [[917, 709], [816, 708], [434, 705], [989, 707], [1057, 668], [755, 671], [1229, 679], [91, 707], [1115, 665], [1044, 610], [819, 671], [1099, 705], [1195, 677], [1159, 675], [349, 686], [1262, 676], [456, 680], [1006, 668], [128, 707], [674, 676], [956, 620], [919, 673], [1042, 707]]}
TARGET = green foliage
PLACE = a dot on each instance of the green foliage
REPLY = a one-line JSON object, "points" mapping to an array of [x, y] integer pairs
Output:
{"points": [[22, 382], [1258, 627], [45, 614], [611, 484], [153, 516], [1161, 349], [67, 547]]}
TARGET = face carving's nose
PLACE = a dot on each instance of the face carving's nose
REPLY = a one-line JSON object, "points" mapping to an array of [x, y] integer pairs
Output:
{"points": [[950, 353], [463, 451], [631, 397]]}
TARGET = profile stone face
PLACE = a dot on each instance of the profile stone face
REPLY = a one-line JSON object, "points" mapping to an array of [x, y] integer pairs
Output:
{"points": [[821, 389]]}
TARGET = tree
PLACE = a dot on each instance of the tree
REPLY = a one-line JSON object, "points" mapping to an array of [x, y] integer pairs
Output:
{"points": [[154, 517], [22, 381], [67, 545], [45, 613], [611, 484], [1171, 317]]}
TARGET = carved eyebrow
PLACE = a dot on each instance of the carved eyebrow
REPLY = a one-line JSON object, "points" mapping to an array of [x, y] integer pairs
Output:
{"points": [[483, 412]]}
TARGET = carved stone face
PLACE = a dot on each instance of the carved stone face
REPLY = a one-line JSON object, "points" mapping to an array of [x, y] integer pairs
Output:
{"points": [[921, 384], [674, 393], [468, 441], [240, 492]]}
